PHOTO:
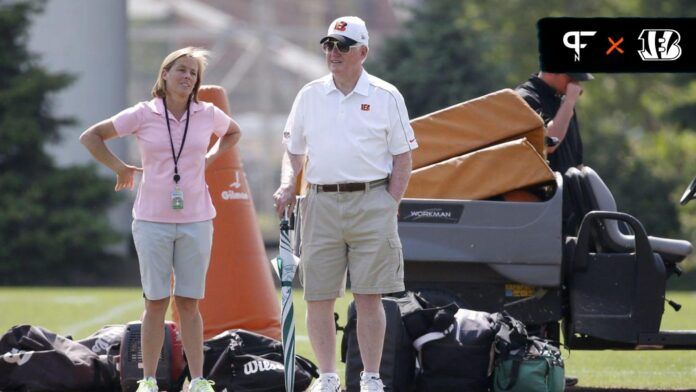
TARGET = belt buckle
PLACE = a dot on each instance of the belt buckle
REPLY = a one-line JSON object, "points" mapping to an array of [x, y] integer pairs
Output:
{"points": [[369, 185]]}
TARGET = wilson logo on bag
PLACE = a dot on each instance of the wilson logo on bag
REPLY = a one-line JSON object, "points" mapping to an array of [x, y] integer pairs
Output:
{"points": [[261, 366]]}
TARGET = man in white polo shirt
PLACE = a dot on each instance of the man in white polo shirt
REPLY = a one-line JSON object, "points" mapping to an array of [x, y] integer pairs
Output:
{"points": [[355, 132]]}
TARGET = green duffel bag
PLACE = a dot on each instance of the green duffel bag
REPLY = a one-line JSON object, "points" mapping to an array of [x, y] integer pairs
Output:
{"points": [[538, 368]]}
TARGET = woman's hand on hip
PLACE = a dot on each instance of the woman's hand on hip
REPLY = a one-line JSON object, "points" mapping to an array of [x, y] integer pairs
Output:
{"points": [[125, 177]]}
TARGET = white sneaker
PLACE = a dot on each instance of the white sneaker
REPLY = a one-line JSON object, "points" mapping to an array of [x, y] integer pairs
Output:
{"points": [[327, 384], [370, 384], [147, 385], [201, 385]]}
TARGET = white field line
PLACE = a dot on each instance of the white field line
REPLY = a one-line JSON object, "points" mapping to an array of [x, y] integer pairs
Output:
{"points": [[102, 318], [118, 310]]}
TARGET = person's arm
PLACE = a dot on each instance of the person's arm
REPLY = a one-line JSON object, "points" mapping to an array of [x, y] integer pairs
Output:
{"points": [[94, 140], [227, 141], [292, 164], [559, 125], [401, 172], [401, 142], [290, 170]]}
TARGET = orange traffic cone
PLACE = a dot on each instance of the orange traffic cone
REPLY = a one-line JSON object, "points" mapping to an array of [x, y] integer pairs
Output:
{"points": [[239, 288]]}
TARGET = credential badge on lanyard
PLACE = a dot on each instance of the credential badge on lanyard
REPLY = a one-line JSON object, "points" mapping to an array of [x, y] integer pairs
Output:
{"points": [[177, 193]]}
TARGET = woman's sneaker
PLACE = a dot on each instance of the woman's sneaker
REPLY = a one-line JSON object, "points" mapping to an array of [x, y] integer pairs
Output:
{"points": [[148, 384], [327, 384], [370, 384], [201, 385]]}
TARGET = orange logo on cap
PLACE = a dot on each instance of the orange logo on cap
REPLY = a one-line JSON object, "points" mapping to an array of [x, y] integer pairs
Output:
{"points": [[340, 26], [365, 107]]}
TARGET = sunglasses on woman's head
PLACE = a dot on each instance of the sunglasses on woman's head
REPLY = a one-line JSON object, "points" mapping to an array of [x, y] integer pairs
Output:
{"points": [[328, 46]]}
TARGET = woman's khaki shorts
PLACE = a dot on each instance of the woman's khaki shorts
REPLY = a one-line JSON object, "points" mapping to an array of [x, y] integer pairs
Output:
{"points": [[182, 248], [354, 232]]}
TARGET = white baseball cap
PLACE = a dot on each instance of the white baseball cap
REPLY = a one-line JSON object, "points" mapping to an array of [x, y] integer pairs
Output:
{"points": [[348, 30]]}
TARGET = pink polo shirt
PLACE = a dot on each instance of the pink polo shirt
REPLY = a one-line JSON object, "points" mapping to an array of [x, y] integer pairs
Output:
{"points": [[147, 122]]}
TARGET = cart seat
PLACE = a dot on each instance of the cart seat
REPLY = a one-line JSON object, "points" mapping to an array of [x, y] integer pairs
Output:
{"points": [[600, 196]]}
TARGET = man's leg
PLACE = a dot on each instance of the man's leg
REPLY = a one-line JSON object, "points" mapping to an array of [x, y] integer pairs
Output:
{"points": [[152, 334], [322, 333], [371, 328], [374, 267], [191, 324]]}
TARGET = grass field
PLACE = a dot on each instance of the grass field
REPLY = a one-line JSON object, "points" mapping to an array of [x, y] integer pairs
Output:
{"points": [[80, 311]]}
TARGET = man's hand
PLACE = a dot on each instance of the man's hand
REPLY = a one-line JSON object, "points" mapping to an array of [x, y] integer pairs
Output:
{"points": [[284, 197], [573, 91], [125, 177], [558, 127], [401, 172]]}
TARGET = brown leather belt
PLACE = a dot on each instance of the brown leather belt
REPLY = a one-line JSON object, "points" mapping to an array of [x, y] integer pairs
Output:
{"points": [[349, 187]]}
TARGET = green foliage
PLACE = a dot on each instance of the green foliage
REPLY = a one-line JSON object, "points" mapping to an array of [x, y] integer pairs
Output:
{"points": [[52, 222], [635, 127], [670, 154], [436, 57]]}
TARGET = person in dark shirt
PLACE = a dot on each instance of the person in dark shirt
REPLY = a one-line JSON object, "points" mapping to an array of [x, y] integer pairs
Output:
{"points": [[554, 97]]}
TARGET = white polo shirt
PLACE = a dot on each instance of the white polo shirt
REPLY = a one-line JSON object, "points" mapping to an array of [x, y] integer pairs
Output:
{"points": [[348, 138]]}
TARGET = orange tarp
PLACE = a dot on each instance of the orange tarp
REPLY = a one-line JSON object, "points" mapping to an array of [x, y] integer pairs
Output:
{"points": [[474, 124], [481, 174], [477, 149], [239, 288]]}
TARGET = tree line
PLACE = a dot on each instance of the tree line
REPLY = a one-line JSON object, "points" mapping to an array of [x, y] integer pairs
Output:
{"points": [[638, 129]]}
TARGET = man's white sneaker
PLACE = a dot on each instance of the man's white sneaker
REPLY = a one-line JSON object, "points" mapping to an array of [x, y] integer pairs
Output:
{"points": [[327, 384], [370, 384]]}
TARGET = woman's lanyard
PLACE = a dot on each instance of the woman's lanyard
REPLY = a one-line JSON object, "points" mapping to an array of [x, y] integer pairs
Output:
{"points": [[177, 194]]}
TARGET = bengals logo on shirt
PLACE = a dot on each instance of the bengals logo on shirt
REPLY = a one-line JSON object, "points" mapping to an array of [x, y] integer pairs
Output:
{"points": [[365, 107], [340, 26]]}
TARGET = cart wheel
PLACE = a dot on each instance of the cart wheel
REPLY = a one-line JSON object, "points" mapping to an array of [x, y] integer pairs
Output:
{"points": [[439, 297]]}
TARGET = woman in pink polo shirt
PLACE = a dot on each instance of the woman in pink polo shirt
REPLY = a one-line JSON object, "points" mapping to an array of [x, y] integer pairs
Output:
{"points": [[173, 211]]}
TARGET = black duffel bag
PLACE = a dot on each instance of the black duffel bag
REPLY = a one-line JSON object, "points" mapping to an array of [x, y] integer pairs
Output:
{"points": [[398, 364], [36, 359], [455, 348], [105, 341], [253, 363]]}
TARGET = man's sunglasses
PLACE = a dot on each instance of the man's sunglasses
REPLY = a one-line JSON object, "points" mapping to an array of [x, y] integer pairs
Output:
{"points": [[328, 46]]}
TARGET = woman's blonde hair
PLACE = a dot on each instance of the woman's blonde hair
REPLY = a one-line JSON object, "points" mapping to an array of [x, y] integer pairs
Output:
{"points": [[198, 54]]}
